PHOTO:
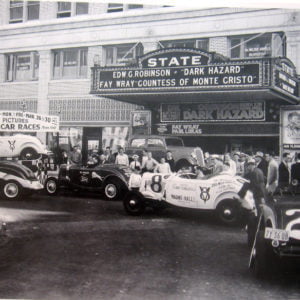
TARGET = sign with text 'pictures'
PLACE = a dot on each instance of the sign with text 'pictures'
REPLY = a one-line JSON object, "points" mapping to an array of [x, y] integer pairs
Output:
{"points": [[18, 121], [213, 112]]}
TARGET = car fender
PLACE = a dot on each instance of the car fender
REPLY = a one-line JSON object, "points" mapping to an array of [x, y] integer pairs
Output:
{"points": [[224, 196], [114, 176], [269, 217], [23, 182], [38, 149]]}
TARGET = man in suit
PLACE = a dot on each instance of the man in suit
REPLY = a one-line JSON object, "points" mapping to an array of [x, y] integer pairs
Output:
{"points": [[261, 163], [295, 171], [284, 172]]}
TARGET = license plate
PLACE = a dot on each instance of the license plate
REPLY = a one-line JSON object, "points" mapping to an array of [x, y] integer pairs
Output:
{"points": [[276, 234]]}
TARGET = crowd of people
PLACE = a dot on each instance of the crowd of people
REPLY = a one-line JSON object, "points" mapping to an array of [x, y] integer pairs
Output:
{"points": [[278, 176]]}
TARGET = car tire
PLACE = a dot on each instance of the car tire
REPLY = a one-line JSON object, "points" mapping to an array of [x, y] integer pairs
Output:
{"points": [[227, 212], [51, 186], [29, 154], [133, 204], [264, 258], [11, 190], [112, 189]]}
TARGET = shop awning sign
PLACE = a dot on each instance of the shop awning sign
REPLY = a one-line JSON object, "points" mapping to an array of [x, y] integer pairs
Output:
{"points": [[18, 121]]}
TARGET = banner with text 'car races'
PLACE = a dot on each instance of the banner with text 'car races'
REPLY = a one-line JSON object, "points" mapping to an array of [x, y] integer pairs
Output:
{"points": [[18, 121]]}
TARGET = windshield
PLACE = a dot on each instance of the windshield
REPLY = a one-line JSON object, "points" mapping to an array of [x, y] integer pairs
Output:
{"points": [[174, 142]]}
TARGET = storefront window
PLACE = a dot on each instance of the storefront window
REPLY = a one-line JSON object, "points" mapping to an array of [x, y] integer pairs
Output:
{"points": [[190, 43], [122, 54], [22, 66], [251, 46], [21, 11], [70, 63]]}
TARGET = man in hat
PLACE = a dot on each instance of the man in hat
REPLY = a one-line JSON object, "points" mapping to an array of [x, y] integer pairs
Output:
{"points": [[256, 183], [261, 164]]}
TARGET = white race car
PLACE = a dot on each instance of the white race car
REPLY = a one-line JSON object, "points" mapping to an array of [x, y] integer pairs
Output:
{"points": [[219, 193], [22, 146]]}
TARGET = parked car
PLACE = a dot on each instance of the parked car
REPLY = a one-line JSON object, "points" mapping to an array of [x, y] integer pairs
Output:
{"points": [[159, 145], [22, 146], [16, 181], [275, 237], [109, 178], [218, 193]]}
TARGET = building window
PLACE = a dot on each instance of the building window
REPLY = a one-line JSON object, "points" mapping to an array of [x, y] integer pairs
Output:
{"points": [[260, 45], [135, 6], [22, 66], [122, 55], [70, 63], [82, 8], [114, 7], [190, 43], [21, 11], [70, 9], [117, 7]]}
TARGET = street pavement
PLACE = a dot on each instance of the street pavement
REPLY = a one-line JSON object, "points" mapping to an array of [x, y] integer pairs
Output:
{"points": [[81, 247]]}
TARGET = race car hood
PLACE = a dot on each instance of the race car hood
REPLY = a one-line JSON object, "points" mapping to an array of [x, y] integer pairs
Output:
{"points": [[288, 217], [16, 169]]}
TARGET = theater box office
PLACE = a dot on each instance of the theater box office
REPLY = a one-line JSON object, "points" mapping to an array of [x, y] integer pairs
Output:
{"points": [[211, 101]]}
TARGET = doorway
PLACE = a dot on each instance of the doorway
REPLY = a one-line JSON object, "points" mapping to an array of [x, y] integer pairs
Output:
{"points": [[91, 140]]}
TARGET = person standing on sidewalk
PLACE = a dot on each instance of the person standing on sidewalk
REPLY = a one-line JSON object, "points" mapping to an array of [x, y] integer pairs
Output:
{"points": [[272, 175]]}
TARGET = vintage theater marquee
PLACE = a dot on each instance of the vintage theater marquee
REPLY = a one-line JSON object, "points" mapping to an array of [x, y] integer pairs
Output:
{"points": [[178, 70]]}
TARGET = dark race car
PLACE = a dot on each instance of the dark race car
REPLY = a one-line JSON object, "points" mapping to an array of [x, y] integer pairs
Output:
{"points": [[109, 178], [17, 180], [275, 237]]}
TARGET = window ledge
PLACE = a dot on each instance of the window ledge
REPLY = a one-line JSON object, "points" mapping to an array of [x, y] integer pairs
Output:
{"points": [[69, 80], [19, 82]]}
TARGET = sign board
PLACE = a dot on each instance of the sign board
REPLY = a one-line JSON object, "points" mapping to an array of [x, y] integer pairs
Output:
{"points": [[140, 122], [213, 112], [179, 69], [225, 76], [18, 121], [285, 78], [290, 128]]}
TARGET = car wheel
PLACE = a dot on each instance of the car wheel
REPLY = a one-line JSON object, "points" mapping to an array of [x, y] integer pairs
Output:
{"points": [[29, 154], [264, 258], [112, 189], [133, 204], [51, 186], [11, 190], [227, 212]]}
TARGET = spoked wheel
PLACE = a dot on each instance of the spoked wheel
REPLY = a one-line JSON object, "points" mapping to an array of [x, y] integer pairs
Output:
{"points": [[11, 190], [227, 212], [51, 186], [133, 204]]}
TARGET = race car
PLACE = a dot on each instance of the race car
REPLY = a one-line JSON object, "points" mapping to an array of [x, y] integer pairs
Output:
{"points": [[108, 178], [22, 146], [219, 193], [275, 237], [17, 180]]}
